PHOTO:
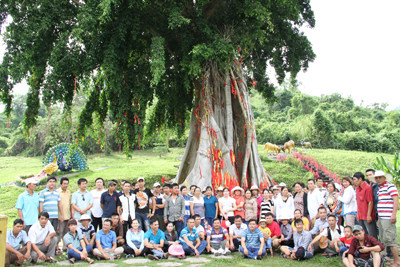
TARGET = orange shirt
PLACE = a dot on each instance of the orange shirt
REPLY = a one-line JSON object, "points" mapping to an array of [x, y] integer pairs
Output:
{"points": [[241, 211]]}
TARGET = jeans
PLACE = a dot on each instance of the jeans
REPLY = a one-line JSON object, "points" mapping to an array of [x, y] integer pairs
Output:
{"points": [[268, 243], [370, 228], [178, 227], [143, 220], [236, 243], [188, 250], [73, 254], [210, 220], [253, 252]]}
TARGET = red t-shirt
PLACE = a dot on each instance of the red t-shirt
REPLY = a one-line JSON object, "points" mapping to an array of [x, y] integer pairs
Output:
{"points": [[363, 196], [369, 241], [346, 241], [238, 200], [275, 229]]}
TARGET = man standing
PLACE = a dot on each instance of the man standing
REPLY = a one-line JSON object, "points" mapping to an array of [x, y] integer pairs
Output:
{"points": [[174, 210], [166, 190], [109, 201], [314, 201], [154, 242], [143, 196], [365, 205], [118, 229], [252, 242], [235, 232], [126, 206], [106, 243], [43, 239], [190, 240], [65, 213], [97, 211], [302, 239], [320, 185], [215, 239], [192, 188], [82, 200], [50, 202], [15, 237], [28, 205], [375, 187], [160, 205], [388, 202]]}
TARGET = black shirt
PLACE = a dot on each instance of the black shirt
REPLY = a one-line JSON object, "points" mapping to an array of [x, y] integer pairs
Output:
{"points": [[142, 200], [110, 203]]}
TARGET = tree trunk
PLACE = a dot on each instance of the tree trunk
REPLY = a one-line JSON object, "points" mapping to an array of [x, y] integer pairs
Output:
{"points": [[222, 146]]}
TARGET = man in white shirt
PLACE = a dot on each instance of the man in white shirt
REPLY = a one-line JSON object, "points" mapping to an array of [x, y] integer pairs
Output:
{"points": [[97, 211], [235, 232], [43, 239], [315, 200], [199, 228], [126, 206]]}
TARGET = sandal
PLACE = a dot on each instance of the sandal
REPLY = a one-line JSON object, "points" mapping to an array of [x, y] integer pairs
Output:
{"points": [[117, 256], [72, 260], [89, 260], [50, 260], [59, 252]]}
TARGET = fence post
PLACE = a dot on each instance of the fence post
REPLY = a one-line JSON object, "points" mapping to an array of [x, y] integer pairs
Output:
{"points": [[3, 234]]}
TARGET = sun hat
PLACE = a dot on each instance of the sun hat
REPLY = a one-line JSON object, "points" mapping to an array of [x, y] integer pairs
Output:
{"points": [[156, 184], [221, 188], [84, 217], [176, 250], [140, 178], [388, 176], [262, 220], [237, 188], [254, 187], [282, 185], [31, 181]]}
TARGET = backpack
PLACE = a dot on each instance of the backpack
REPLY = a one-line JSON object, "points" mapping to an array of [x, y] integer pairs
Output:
{"points": [[323, 241]]}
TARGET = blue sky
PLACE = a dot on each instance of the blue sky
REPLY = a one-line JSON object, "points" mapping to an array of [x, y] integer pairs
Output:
{"points": [[357, 46]]}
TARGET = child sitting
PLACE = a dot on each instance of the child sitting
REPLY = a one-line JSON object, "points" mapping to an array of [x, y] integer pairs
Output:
{"points": [[267, 235], [342, 244]]}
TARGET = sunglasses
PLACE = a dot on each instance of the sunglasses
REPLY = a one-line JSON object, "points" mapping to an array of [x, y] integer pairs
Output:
{"points": [[83, 197]]}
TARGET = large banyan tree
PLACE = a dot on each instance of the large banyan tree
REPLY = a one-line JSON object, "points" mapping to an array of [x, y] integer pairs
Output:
{"points": [[200, 56]]}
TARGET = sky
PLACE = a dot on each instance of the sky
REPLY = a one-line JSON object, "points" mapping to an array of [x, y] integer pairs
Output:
{"points": [[357, 46]]}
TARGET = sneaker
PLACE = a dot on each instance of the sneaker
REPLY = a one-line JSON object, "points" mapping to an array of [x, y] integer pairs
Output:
{"points": [[152, 257], [128, 256], [227, 253], [244, 256], [192, 254], [258, 258], [283, 255], [217, 254]]}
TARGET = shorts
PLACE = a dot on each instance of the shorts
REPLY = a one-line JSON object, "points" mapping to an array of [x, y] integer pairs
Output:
{"points": [[62, 229], [387, 233]]}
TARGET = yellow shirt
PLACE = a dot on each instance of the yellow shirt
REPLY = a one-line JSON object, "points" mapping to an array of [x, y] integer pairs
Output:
{"points": [[305, 223], [265, 230], [66, 204]]}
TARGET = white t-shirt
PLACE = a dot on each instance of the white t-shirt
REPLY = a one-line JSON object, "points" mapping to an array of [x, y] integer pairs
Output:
{"points": [[96, 210], [334, 234], [227, 204], [237, 231], [37, 234], [314, 199]]}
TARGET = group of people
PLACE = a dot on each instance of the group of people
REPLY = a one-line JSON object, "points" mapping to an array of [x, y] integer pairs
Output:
{"points": [[172, 220]]}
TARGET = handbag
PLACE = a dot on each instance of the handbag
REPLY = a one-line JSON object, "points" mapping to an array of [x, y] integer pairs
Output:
{"points": [[332, 208]]}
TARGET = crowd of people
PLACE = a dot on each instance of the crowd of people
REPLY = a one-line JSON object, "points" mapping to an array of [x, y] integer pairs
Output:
{"points": [[345, 220]]}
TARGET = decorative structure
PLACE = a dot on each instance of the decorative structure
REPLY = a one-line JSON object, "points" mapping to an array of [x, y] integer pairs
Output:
{"points": [[73, 155]]}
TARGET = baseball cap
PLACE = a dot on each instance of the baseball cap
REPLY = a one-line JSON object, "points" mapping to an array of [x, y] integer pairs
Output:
{"points": [[31, 181], [111, 183], [156, 184], [262, 220], [140, 178], [357, 228]]}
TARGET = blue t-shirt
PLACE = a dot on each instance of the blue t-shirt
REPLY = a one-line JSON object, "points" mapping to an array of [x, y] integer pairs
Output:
{"points": [[50, 202], [253, 239], [29, 206], [209, 204], [110, 203], [192, 236], [106, 240], [154, 239]]}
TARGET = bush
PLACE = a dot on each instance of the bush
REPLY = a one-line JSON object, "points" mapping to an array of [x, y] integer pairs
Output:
{"points": [[4, 142]]}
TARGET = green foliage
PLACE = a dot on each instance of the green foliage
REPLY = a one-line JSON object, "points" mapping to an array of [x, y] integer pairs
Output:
{"points": [[322, 127], [394, 169], [160, 150]]}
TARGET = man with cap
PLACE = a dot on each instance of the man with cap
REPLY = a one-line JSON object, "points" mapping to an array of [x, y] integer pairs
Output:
{"points": [[388, 203], [109, 201], [87, 230], [28, 205], [126, 206], [159, 206], [143, 196], [77, 249], [14, 238], [367, 247]]}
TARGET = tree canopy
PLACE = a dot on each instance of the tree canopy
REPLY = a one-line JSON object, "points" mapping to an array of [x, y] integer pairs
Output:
{"points": [[132, 51]]}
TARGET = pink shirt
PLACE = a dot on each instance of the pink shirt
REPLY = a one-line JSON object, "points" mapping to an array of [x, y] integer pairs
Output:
{"points": [[241, 211]]}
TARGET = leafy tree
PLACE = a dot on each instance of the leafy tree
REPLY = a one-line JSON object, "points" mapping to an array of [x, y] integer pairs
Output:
{"points": [[322, 127], [305, 104], [191, 55]]}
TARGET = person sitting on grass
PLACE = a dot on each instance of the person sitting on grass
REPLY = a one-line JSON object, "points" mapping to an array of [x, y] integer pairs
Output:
{"points": [[191, 243], [134, 241], [154, 242], [15, 237], [106, 243], [334, 231], [252, 242], [342, 244], [199, 228], [267, 236], [73, 240], [171, 236], [87, 229], [302, 239], [299, 215], [235, 232], [215, 239], [118, 228], [286, 234], [43, 239], [367, 247], [274, 228]]}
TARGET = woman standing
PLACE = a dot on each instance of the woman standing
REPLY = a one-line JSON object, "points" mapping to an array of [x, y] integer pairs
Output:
{"points": [[211, 205], [134, 241], [187, 204], [348, 196], [267, 205], [331, 202], [256, 193], [284, 206], [227, 205], [238, 194], [250, 207], [300, 199], [197, 205]]}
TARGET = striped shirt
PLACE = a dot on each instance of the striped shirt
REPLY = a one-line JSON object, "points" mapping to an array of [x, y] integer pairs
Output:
{"points": [[50, 202], [265, 207], [192, 236], [216, 238], [386, 193], [87, 232], [253, 239], [187, 205]]}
